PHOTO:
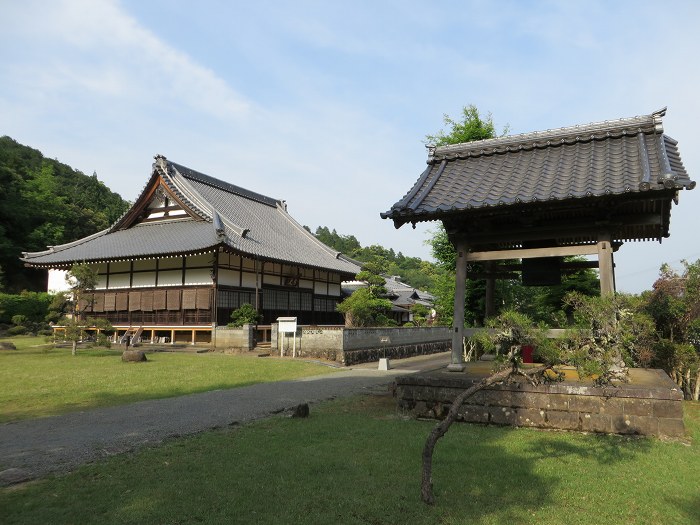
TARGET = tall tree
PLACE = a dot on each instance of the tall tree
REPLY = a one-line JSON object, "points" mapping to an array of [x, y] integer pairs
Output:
{"points": [[44, 202], [674, 303]]}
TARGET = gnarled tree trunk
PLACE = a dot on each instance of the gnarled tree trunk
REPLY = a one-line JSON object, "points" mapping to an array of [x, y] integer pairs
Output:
{"points": [[443, 426]]}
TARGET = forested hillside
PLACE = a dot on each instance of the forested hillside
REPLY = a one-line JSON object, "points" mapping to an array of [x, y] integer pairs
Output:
{"points": [[44, 202], [413, 270]]}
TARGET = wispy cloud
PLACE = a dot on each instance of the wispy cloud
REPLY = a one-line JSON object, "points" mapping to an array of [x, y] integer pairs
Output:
{"points": [[96, 49]]}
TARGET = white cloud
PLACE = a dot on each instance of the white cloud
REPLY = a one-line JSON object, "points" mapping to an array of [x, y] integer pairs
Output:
{"points": [[94, 48]]}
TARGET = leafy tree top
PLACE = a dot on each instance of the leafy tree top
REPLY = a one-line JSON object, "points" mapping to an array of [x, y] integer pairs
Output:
{"points": [[470, 127]]}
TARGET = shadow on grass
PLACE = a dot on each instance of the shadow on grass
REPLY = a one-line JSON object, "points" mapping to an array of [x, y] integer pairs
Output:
{"points": [[480, 475], [690, 507], [602, 448]]}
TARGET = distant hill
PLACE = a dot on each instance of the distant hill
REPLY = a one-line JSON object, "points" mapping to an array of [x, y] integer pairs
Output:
{"points": [[413, 271], [44, 202]]}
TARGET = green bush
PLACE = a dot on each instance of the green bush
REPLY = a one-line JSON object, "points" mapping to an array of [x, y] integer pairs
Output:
{"points": [[17, 330], [246, 314], [103, 340], [33, 305], [19, 320]]}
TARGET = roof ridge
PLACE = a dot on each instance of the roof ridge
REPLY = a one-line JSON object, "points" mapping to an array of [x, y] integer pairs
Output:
{"points": [[217, 218], [651, 122], [65, 246], [189, 173]]}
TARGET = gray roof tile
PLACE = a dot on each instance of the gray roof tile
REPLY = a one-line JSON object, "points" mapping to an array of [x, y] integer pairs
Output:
{"points": [[253, 225], [593, 160]]}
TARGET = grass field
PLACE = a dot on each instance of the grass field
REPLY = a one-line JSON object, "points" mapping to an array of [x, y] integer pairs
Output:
{"points": [[38, 380], [355, 461]]}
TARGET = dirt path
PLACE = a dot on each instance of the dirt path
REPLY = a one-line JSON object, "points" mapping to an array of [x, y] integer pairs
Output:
{"points": [[34, 448]]}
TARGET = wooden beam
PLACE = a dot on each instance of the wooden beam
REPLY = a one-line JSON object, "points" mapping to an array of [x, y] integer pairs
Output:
{"points": [[565, 266], [529, 253], [496, 275]]}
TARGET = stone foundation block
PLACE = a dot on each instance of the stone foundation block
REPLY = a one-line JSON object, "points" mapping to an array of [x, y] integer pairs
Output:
{"points": [[664, 408], [562, 420], [499, 398], [530, 417], [503, 416], [644, 425], [595, 404], [595, 423], [671, 428], [636, 406], [474, 413]]}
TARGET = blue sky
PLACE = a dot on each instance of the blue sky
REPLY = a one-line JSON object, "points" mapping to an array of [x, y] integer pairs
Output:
{"points": [[326, 104]]}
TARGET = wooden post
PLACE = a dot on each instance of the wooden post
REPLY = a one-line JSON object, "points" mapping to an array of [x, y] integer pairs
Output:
{"points": [[457, 364], [490, 310], [605, 265]]}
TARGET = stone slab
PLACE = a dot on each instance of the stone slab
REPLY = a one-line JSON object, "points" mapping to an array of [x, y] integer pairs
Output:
{"points": [[650, 405]]}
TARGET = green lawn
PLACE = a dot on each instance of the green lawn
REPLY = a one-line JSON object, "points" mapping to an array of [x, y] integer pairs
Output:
{"points": [[355, 461], [38, 380]]}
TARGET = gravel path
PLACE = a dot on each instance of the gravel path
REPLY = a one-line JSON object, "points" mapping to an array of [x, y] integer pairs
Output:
{"points": [[34, 448]]}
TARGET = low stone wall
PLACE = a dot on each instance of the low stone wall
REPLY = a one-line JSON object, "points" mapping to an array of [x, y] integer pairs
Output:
{"points": [[351, 346], [654, 409], [367, 355], [226, 338], [315, 342]]}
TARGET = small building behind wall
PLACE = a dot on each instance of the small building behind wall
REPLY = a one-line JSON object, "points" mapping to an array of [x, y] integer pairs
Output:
{"points": [[581, 190], [192, 249]]}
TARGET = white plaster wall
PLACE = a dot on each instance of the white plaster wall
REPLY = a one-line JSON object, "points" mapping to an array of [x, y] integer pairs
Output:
{"points": [[199, 260], [143, 279], [170, 278], [229, 277], [198, 276], [248, 280], [271, 279], [120, 280], [57, 281], [147, 264]]}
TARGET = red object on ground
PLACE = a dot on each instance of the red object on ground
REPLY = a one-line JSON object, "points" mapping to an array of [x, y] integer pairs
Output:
{"points": [[526, 353]]}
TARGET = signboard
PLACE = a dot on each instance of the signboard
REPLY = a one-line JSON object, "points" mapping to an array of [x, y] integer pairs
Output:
{"points": [[287, 325]]}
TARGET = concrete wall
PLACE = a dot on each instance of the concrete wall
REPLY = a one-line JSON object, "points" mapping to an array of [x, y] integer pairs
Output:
{"points": [[234, 338], [360, 345], [654, 407]]}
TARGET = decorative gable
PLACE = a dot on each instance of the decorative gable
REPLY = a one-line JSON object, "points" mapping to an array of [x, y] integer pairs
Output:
{"points": [[163, 207], [157, 203]]}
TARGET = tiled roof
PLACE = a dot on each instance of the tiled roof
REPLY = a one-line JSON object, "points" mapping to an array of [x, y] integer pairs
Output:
{"points": [[222, 214], [626, 156]]}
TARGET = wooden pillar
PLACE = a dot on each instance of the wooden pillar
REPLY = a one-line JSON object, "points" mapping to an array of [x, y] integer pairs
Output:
{"points": [[457, 363], [490, 310], [605, 265]]}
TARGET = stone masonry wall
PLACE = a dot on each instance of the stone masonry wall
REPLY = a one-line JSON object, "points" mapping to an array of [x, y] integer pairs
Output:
{"points": [[234, 338], [367, 355], [652, 411], [351, 346]]}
